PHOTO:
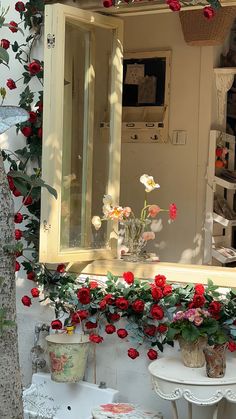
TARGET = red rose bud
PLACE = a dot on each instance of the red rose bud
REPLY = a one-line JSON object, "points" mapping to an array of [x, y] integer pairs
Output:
{"points": [[122, 303], [35, 292], [19, 6], [5, 43], [11, 183], [90, 325], [174, 5], [61, 268], [162, 328], [34, 68], [27, 131], [84, 295], [79, 315], [16, 193], [110, 328], [107, 3], [122, 333], [18, 218], [56, 324], [199, 289], [40, 132], [133, 353], [93, 285], [11, 84], [18, 254], [26, 301], [13, 26], [32, 117], [18, 234], [219, 152], [160, 280], [138, 306], [152, 354], [156, 312], [128, 277], [27, 200], [167, 290], [102, 304], [156, 292], [172, 212], [95, 338], [31, 276], [114, 317], [17, 266], [232, 346], [209, 12]]}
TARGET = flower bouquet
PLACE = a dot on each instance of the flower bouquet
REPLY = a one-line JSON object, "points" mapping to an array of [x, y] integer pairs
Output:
{"points": [[137, 230]]}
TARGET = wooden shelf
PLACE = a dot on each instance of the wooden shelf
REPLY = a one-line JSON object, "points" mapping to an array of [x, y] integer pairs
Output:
{"points": [[224, 183], [221, 258], [223, 221]]}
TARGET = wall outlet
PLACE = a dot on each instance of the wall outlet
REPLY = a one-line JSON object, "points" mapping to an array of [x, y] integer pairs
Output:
{"points": [[179, 137]]}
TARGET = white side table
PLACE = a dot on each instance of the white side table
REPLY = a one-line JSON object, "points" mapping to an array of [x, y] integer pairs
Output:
{"points": [[173, 381]]}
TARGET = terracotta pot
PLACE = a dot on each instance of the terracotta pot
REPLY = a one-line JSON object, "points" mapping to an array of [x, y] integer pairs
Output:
{"points": [[215, 360], [192, 352], [68, 356]]}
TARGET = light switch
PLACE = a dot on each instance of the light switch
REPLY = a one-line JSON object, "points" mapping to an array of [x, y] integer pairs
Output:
{"points": [[179, 137]]}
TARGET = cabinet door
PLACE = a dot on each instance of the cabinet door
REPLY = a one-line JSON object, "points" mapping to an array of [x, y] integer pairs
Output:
{"points": [[83, 87]]}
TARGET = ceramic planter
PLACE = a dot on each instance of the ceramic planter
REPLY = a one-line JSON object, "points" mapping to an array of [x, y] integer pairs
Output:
{"points": [[215, 360], [68, 356], [192, 352]]}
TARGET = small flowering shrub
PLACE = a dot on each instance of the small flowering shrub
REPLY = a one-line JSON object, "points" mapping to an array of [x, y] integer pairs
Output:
{"points": [[151, 313]]}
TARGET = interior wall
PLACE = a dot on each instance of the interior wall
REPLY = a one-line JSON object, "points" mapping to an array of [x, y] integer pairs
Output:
{"points": [[179, 169]]}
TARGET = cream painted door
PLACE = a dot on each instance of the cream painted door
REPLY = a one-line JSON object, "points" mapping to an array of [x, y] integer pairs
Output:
{"points": [[83, 87]]}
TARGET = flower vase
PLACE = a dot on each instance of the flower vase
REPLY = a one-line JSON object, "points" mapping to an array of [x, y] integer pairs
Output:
{"points": [[133, 240], [215, 360], [192, 352]]}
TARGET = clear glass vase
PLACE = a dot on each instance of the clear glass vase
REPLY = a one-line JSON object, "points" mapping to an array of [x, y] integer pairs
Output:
{"points": [[133, 240], [192, 352], [215, 360]]}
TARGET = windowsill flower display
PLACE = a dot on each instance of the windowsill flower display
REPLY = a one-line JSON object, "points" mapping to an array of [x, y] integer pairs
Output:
{"points": [[137, 231]]}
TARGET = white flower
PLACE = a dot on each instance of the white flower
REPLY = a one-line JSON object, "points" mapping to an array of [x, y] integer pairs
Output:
{"points": [[106, 209], [107, 200], [149, 183], [97, 222]]}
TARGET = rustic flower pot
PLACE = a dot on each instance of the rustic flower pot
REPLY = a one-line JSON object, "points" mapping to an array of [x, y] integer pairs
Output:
{"points": [[192, 352], [215, 360], [68, 356]]}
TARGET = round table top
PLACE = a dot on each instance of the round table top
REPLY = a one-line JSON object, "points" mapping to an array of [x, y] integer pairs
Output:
{"points": [[172, 369], [122, 411]]}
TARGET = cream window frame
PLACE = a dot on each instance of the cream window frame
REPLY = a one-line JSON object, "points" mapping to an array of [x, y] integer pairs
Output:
{"points": [[55, 18]]}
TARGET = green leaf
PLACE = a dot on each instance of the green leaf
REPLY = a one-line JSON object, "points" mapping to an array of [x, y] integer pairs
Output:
{"points": [[4, 56], [21, 186], [15, 46]]}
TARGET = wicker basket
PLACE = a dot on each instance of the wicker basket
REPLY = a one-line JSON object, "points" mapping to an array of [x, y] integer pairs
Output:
{"points": [[199, 31]]}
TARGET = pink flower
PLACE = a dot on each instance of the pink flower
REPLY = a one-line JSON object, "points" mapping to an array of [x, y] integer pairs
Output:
{"points": [[153, 210], [178, 316], [148, 235], [198, 321], [127, 211], [172, 212]]}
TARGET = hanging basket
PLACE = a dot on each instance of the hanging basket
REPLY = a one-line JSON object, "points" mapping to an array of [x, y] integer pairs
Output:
{"points": [[198, 31]]}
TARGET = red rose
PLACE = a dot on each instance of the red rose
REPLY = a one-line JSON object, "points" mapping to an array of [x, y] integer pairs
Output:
{"points": [[198, 300], [133, 353], [16, 193], [18, 254], [150, 330], [160, 280], [18, 234], [95, 338], [110, 328], [162, 328], [26, 301], [232, 346], [208, 12], [90, 325], [34, 68], [156, 312], [138, 306], [102, 304], [128, 277], [17, 266], [40, 132], [167, 290], [93, 285], [79, 315], [32, 117], [122, 333], [199, 289], [35, 292], [84, 295], [5, 43], [31, 276], [109, 299], [122, 303], [174, 6], [13, 26], [172, 210], [152, 354], [18, 218], [11, 183], [61, 268], [27, 200], [214, 309], [107, 3], [11, 84], [19, 6], [114, 317], [56, 324], [219, 151], [26, 131], [156, 292]]}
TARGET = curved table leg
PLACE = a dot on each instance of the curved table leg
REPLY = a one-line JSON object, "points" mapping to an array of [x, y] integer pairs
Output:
{"points": [[174, 409], [215, 413], [190, 410]]}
